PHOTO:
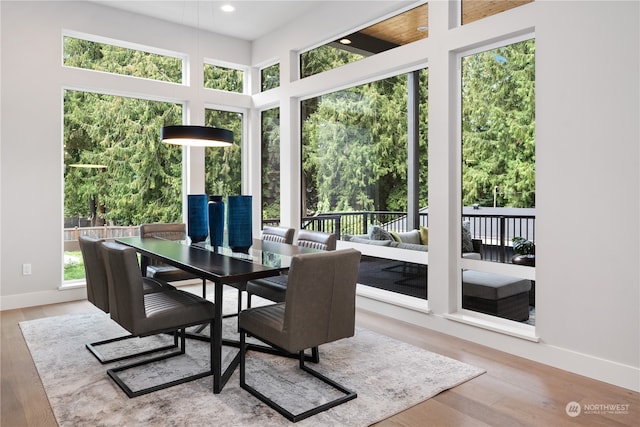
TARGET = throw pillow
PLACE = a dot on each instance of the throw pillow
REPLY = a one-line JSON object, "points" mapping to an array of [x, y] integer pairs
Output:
{"points": [[395, 236], [424, 235], [378, 233], [467, 242], [412, 236]]}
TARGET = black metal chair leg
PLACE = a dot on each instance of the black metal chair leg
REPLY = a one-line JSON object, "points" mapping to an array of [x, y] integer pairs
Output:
{"points": [[348, 394], [93, 348], [113, 373]]}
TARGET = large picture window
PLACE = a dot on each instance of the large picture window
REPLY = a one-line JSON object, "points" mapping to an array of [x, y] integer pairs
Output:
{"points": [[118, 174], [355, 170]]}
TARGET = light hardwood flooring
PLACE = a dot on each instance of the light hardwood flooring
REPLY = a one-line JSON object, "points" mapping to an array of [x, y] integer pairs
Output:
{"points": [[513, 392]]}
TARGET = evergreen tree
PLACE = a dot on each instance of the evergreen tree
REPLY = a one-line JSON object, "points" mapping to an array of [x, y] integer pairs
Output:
{"points": [[498, 126]]}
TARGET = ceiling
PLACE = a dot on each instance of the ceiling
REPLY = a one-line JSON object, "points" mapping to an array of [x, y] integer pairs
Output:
{"points": [[251, 20]]}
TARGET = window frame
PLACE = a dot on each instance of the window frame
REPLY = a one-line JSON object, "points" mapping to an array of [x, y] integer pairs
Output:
{"points": [[458, 313]]}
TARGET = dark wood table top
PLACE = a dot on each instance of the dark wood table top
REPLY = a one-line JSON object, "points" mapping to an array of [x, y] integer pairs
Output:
{"points": [[221, 265]]}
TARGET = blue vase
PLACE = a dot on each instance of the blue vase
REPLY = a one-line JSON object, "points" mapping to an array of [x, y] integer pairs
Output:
{"points": [[198, 218], [239, 223], [216, 221]]}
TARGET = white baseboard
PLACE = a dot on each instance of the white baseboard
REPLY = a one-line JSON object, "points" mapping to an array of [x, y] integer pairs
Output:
{"points": [[608, 371], [32, 299]]}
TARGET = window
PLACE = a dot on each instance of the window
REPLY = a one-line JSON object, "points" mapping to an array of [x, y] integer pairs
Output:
{"points": [[110, 58], [399, 30], [270, 155], [221, 78], [270, 77], [355, 166], [498, 148], [118, 173]]}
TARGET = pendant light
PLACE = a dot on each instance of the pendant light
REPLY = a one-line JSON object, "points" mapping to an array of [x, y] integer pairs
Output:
{"points": [[196, 136]]}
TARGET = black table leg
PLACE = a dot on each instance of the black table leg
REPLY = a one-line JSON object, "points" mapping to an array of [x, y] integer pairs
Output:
{"points": [[216, 336]]}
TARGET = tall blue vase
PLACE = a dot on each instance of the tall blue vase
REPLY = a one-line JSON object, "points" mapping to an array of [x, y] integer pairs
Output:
{"points": [[239, 223], [216, 221], [198, 218]]}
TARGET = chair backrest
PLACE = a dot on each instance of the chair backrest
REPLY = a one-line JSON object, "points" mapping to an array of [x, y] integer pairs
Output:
{"points": [[320, 302], [317, 240], [95, 274], [126, 297], [278, 234], [169, 231]]}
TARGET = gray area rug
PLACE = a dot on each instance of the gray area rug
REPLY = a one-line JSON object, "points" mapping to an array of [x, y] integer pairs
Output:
{"points": [[388, 375]]}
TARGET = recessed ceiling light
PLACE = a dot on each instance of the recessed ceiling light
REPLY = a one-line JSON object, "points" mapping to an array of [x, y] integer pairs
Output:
{"points": [[345, 41], [227, 8]]}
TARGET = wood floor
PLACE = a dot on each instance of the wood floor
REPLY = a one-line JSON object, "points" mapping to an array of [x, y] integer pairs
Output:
{"points": [[513, 392]]}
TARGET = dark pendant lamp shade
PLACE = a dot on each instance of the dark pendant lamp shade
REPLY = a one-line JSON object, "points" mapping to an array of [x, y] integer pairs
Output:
{"points": [[197, 136]]}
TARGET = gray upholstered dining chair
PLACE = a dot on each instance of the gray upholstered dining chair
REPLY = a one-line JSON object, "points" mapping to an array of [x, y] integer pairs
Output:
{"points": [[275, 288], [98, 294], [277, 234], [317, 240], [319, 308], [159, 270], [149, 314]]}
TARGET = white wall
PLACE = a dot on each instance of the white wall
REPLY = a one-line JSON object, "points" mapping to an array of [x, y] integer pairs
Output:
{"points": [[587, 149], [588, 118]]}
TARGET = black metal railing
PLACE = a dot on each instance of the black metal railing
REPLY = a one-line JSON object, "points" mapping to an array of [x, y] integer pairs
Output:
{"points": [[495, 230]]}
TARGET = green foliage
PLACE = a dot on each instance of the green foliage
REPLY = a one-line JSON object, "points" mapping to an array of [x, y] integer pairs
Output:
{"points": [[223, 166], [354, 141], [270, 163], [498, 126], [74, 270], [222, 78], [114, 59], [142, 181], [270, 77], [325, 58], [522, 246], [354, 154]]}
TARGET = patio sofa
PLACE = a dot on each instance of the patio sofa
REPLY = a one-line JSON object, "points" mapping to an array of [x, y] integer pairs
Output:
{"points": [[417, 240]]}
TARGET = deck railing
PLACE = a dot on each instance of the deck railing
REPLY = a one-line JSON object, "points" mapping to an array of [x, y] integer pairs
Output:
{"points": [[495, 230]]}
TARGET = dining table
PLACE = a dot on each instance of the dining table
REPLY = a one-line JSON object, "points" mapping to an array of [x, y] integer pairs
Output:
{"points": [[222, 266]]}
